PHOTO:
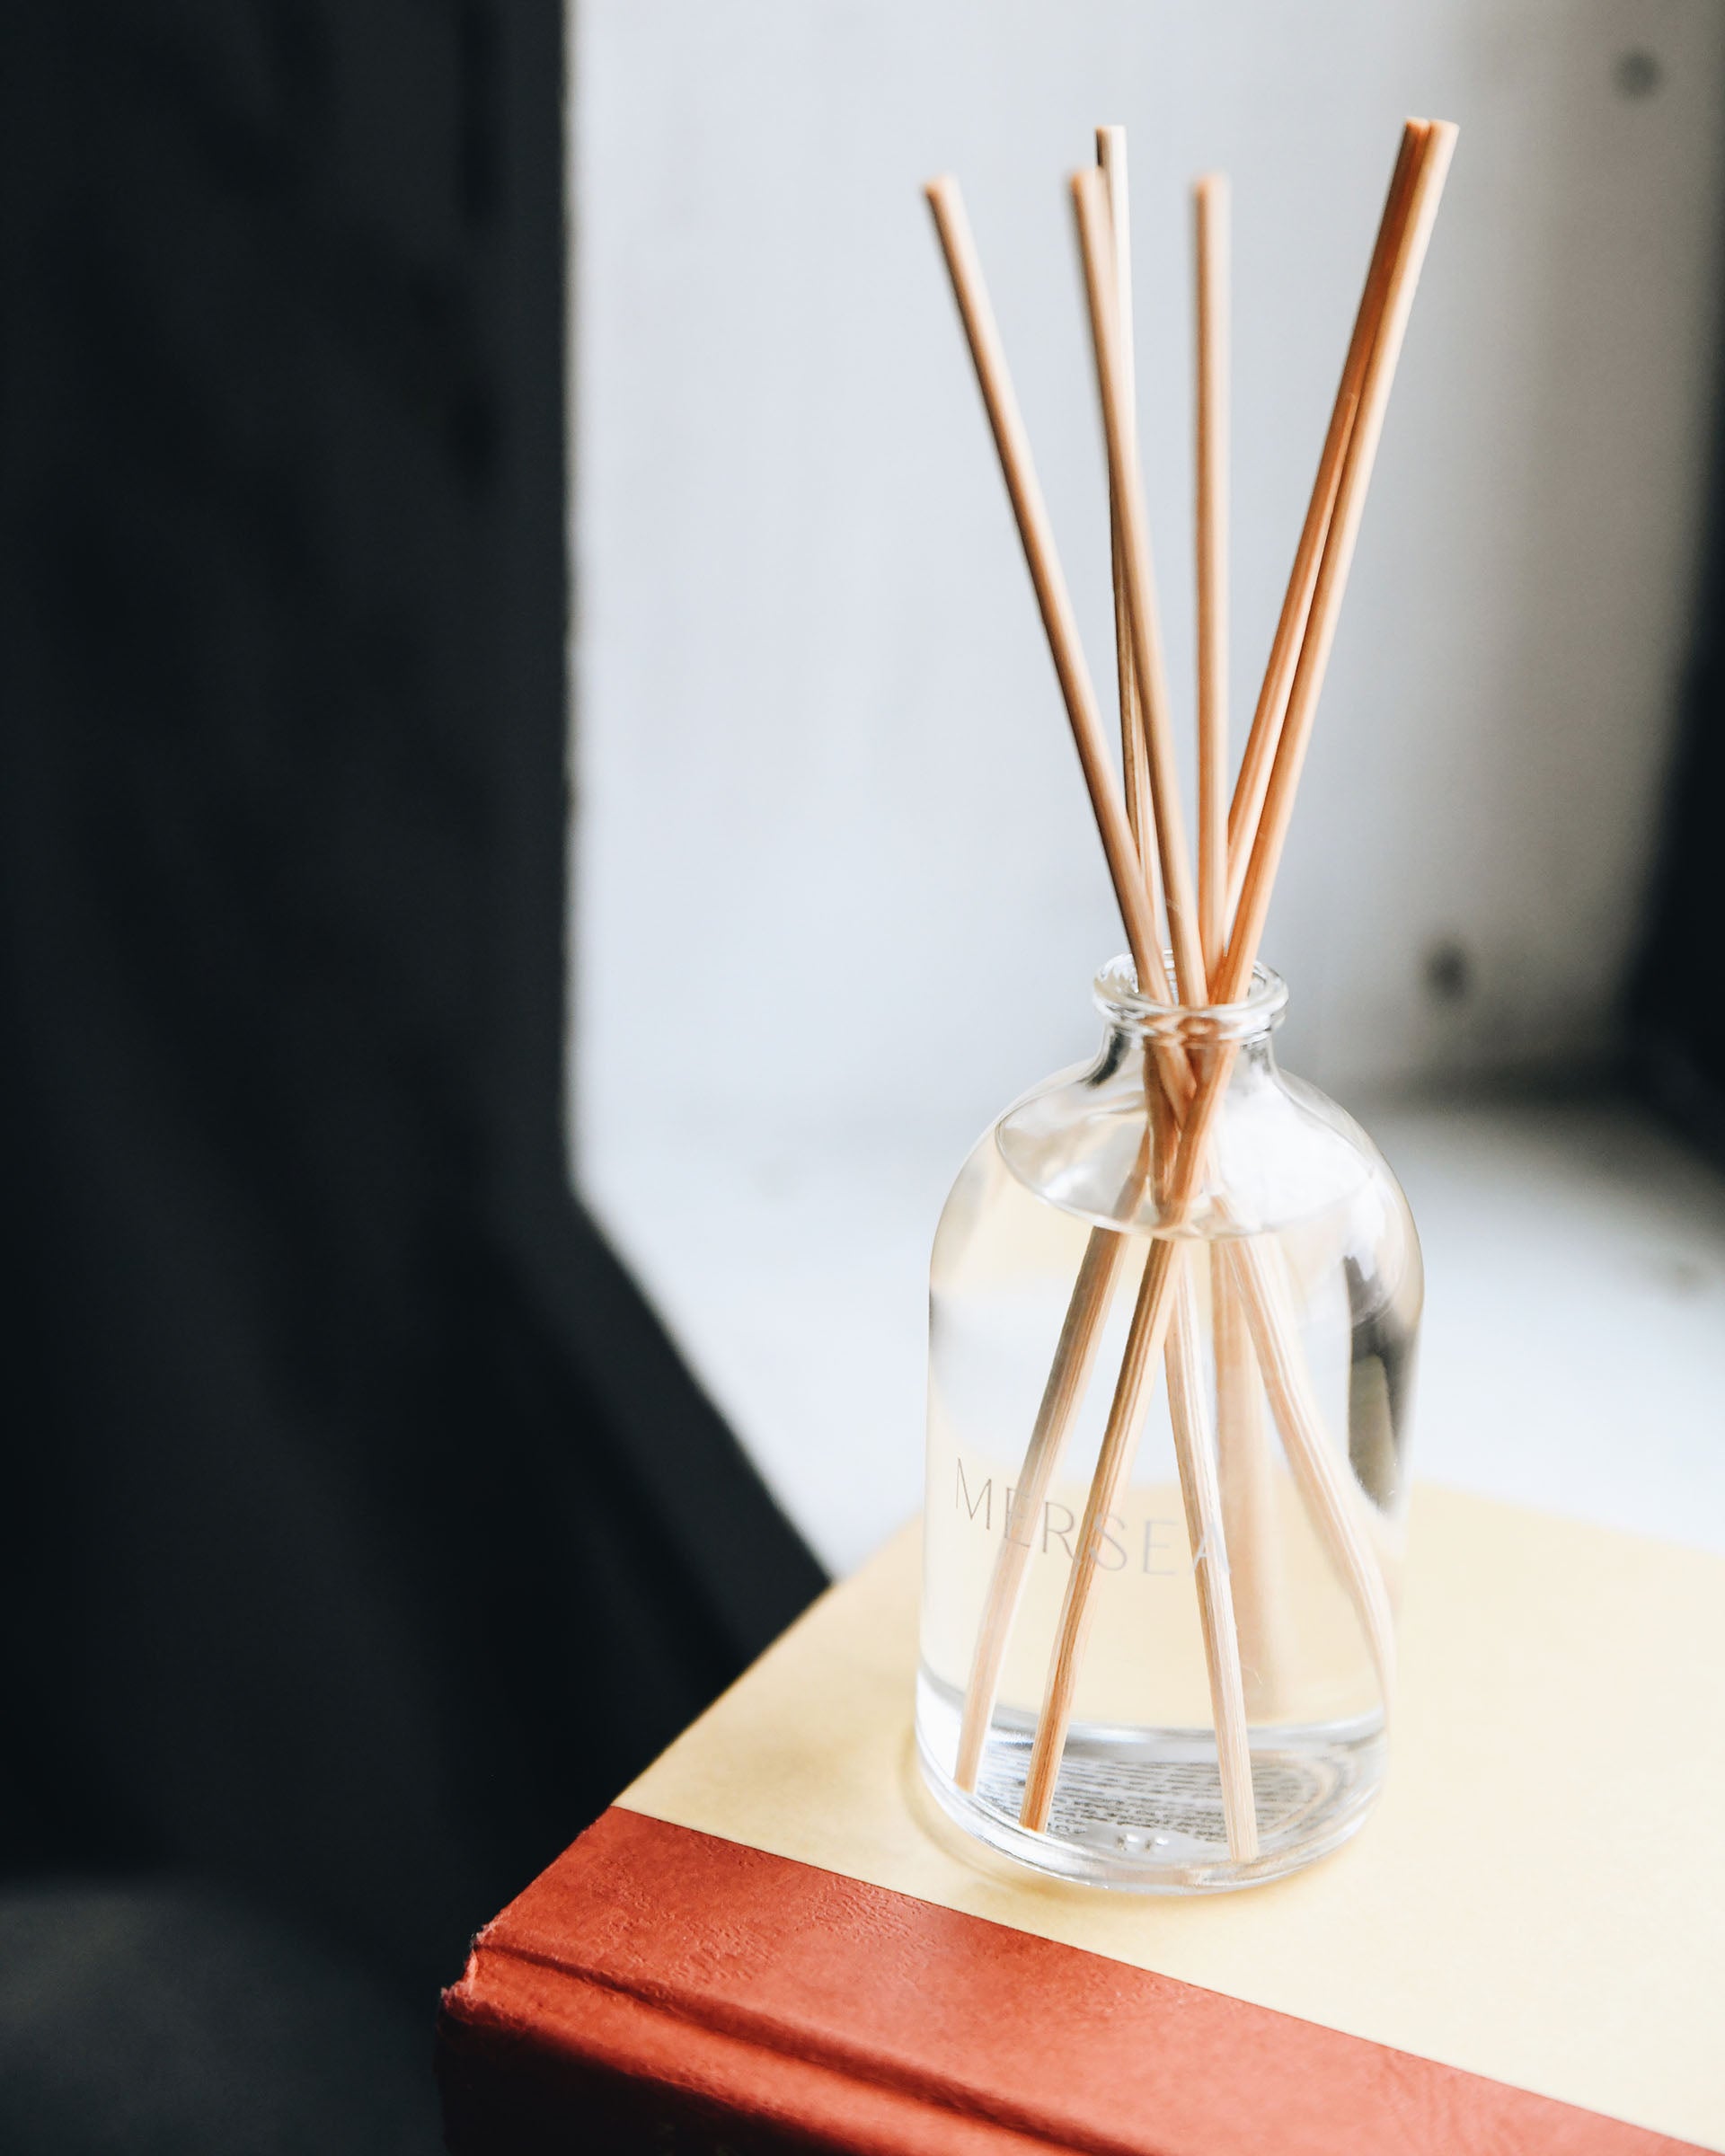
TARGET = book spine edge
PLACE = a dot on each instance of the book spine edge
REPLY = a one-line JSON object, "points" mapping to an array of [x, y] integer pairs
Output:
{"points": [[526, 2054]]}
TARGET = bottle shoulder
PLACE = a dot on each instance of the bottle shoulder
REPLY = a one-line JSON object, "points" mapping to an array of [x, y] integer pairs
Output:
{"points": [[1280, 1150]]}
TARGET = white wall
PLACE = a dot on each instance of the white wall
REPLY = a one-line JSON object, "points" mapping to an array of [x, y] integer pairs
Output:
{"points": [[837, 885]]}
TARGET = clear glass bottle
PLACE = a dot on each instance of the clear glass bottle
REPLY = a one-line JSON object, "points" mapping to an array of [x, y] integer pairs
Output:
{"points": [[1230, 1658]]}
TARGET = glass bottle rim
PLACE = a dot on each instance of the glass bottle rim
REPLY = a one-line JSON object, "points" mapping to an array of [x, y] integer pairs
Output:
{"points": [[1257, 1013]]}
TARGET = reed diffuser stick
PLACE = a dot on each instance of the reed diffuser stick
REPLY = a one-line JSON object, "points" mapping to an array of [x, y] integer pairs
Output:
{"points": [[1290, 627], [1081, 1335], [1104, 1251], [1201, 1492], [1432, 158], [1090, 197], [1332, 1498], [1012, 445], [1244, 1467], [1198, 1489], [1247, 1488], [1362, 1576], [1244, 1464], [1111, 156], [1088, 1309], [1144, 1343], [1211, 250], [1246, 1471], [1099, 1271], [1206, 1524]]}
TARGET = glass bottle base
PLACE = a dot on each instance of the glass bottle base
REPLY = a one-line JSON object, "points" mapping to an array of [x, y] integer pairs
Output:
{"points": [[1140, 1811]]}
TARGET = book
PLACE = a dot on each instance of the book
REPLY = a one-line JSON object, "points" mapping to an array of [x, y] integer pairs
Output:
{"points": [[773, 1941]]}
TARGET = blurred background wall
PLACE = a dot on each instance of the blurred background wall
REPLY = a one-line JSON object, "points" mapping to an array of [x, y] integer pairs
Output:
{"points": [[838, 896]]}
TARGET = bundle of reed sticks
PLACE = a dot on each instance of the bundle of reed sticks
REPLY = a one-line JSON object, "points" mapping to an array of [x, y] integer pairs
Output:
{"points": [[1212, 926]]}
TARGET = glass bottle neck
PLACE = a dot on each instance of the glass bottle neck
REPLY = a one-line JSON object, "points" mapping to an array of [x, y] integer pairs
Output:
{"points": [[1202, 1038], [1180, 1057]]}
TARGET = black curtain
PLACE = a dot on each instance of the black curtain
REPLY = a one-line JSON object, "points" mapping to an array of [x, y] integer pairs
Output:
{"points": [[362, 1532]]}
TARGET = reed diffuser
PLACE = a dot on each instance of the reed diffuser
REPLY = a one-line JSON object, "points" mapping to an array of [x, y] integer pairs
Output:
{"points": [[1175, 1294]]}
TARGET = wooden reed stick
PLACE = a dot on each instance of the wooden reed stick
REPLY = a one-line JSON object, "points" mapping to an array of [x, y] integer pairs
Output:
{"points": [[1310, 1455], [1088, 1309], [1111, 157], [1290, 628], [1012, 445], [1193, 1455], [1194, 1444], [1247, 1475], [1068, 1378], [1333, 1500], [1432, 155], [1144, 1344], [1093, 1291], [1243, 1465], [1195, 1452], [1063, 1393], [1089, 198], [1152, 1311], [1210, 237]]}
